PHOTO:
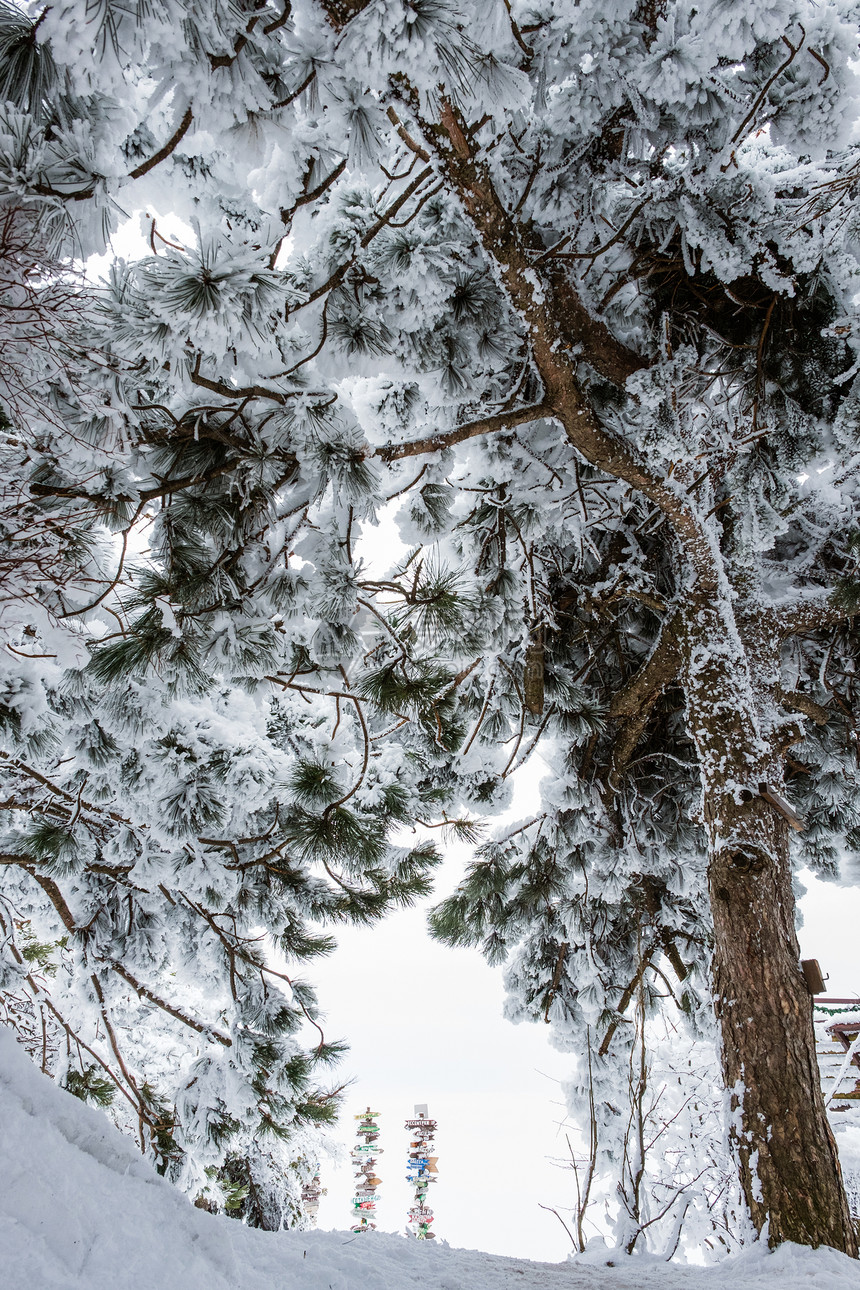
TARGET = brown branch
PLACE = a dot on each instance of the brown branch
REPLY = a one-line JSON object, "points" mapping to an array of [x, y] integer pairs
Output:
{"points": [[300, 89], [404, 134], [48, 886], [312, 194], [556, 977], [82, 194], [337, 276], [625, 745], [659, 670], [795, 701], [85, 609], [516, 32], [283, 17], [174, 1011], [653, 891], [559, 324], [163, 153], [446, 438], [147, 494], [807, 613], [232, 392], [670, 949], [226, 60], [60, 792], [114, 1044], [332, 806], [822, 63], [550, 1210], [624, 1001], [488, 696], [312, 689], [794, 50], [55, 896], [591, 255]]}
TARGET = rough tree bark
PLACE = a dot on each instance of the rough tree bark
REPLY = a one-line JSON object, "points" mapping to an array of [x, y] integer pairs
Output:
{"points": [[784, 1149]]}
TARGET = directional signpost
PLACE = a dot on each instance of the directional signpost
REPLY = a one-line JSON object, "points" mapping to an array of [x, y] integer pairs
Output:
{"points": [[421, 1172]]}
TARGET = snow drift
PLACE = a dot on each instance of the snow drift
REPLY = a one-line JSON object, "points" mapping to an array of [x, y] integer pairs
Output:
{"points": [[81, 1210]]}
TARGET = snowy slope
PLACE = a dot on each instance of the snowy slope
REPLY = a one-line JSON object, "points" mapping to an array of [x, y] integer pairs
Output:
{"points": [[80, 1210]]}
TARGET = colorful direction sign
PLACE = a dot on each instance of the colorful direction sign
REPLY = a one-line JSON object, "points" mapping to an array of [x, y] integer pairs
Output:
{"points": [[364, 1160], [421, 1172]]}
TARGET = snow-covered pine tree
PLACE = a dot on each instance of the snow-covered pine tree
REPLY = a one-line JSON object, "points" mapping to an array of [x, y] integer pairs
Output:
{"points": [[665, 212], [578, 285], [179, 831]]}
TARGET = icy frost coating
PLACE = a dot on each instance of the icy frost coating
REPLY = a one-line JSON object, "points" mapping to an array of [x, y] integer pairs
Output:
{"points": [[572, 288]]}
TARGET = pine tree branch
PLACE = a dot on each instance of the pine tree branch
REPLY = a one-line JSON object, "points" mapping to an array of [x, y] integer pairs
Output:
{"points": [[312, 194], [558, 249], [96, 984], [231, 391], [235, 951], [179, 1013], [337, 277], [793, 51], [406, 137], [82, 194], [287, 684], [633, 704], [47, 884], [653, 891], [807, 613], [659, 670], [796, 701], [55, 896], [626, 743], [624, 1001], [163, 153], [61, 792], [299, 90], [39, 992], [227, 60], [447, 438], [332, 806], [556, 977], [163, 489], [282, 18]]}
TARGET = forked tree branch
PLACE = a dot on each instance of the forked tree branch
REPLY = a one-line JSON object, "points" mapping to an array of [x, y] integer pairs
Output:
{"points": [[163, 153], [561, 333]]}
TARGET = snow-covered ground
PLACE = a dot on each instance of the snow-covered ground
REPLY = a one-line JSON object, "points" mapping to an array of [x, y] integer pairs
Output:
{"points": [[80, 1210]]}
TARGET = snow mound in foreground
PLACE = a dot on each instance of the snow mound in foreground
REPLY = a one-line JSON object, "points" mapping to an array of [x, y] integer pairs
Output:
{"points": [[81, 1210]]}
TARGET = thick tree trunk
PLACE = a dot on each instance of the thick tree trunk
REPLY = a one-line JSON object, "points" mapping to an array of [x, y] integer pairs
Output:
{"points": [[786, 1155], [785, 1152]]}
